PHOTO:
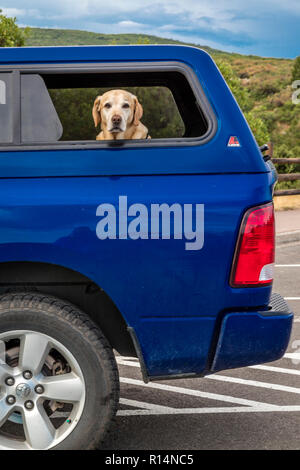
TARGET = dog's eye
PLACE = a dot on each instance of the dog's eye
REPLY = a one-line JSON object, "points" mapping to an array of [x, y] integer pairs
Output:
{"points": [[107, 105], [125, 105]]}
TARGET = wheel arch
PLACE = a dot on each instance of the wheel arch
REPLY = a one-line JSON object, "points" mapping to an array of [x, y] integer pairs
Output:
{"points": [[73, 286]]}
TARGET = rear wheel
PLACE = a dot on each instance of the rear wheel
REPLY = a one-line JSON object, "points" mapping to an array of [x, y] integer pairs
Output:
{"points": [[59, 384]]}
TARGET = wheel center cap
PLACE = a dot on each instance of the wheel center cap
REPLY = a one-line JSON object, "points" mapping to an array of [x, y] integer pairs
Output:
{"points": [[23, 390]]}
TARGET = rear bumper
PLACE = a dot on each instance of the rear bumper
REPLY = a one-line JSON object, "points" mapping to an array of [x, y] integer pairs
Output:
{"points": [[248, 338]]}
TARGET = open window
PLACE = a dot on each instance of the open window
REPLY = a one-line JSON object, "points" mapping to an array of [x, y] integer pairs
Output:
{"points": [[56, 105]]}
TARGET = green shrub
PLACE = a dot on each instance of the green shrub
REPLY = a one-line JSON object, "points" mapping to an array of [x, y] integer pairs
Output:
{"points": [[240, 93], [258, 128], [296, 69], [10, 34]]}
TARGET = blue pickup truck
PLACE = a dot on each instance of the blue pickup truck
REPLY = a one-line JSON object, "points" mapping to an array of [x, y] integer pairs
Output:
{"points": [[160, 248]]}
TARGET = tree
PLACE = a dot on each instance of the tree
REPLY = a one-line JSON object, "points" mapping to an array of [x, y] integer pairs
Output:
{"points": [[10, 33], [240, 93], [296, 69], [258, 128]]}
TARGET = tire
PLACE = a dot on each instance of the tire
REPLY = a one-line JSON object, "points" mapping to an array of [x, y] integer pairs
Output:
{"points": [[49, 338]]}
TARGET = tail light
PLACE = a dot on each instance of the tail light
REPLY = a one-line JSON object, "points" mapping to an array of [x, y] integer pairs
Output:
{"points": [[254, 257]]}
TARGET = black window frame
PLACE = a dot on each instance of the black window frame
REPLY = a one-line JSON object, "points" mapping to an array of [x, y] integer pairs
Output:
{"points": [[108, 67]]}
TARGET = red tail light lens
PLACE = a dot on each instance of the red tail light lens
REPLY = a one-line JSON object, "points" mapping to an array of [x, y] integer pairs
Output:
{"points": [[254, 258]]}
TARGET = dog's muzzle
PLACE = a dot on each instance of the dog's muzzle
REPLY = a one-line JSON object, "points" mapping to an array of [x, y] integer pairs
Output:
{"points": [[116, 121]]}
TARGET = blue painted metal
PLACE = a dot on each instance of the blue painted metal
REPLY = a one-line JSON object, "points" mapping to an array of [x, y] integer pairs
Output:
{"points": [[245, 337], [170, 296]]}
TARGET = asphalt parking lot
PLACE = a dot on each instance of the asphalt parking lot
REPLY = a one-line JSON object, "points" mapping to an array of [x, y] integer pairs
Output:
{"points": [[252, 408]]}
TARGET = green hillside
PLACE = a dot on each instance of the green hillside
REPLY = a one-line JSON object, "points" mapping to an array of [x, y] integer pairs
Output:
{"points": [[262, 86], [71, 37]]}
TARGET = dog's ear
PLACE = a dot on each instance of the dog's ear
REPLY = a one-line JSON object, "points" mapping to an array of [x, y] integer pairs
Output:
{"points": [[96, 111], [138, 111]]}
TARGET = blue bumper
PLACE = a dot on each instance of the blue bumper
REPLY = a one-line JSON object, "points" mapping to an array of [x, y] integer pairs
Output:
{"points": [[248, 338]]}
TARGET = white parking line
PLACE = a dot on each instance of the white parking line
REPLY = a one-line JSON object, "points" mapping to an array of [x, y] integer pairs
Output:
{"points": [[128, 363], [281, 234], [142, 404], [295, 356], [287, 265], [276, 369], [197, 393], [254, 383], [250, 406], [297, 320], [194, 411], [127, 358]]}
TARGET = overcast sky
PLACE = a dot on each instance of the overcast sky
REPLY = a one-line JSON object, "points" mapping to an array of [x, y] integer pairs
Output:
{"points": [[262, 27]]}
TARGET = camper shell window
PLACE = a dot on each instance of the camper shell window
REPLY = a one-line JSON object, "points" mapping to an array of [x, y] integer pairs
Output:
{"points": [[6, 108], [55, 104]]}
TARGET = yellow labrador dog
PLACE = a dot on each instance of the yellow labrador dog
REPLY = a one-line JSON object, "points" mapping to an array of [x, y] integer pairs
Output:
{"points": [[119, 113]]}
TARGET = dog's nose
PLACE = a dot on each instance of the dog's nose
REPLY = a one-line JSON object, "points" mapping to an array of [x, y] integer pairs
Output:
{"points": [[116, 119]]}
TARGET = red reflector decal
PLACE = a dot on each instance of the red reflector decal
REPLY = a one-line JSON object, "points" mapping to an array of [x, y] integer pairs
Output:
{"points": [[233, 142]]}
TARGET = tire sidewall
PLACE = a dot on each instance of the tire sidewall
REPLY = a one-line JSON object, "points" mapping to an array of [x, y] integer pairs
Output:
{"points": [[92, 359]]}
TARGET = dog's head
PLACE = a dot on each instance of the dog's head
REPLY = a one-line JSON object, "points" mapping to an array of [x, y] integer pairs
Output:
{"points": [[117, 110]]}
